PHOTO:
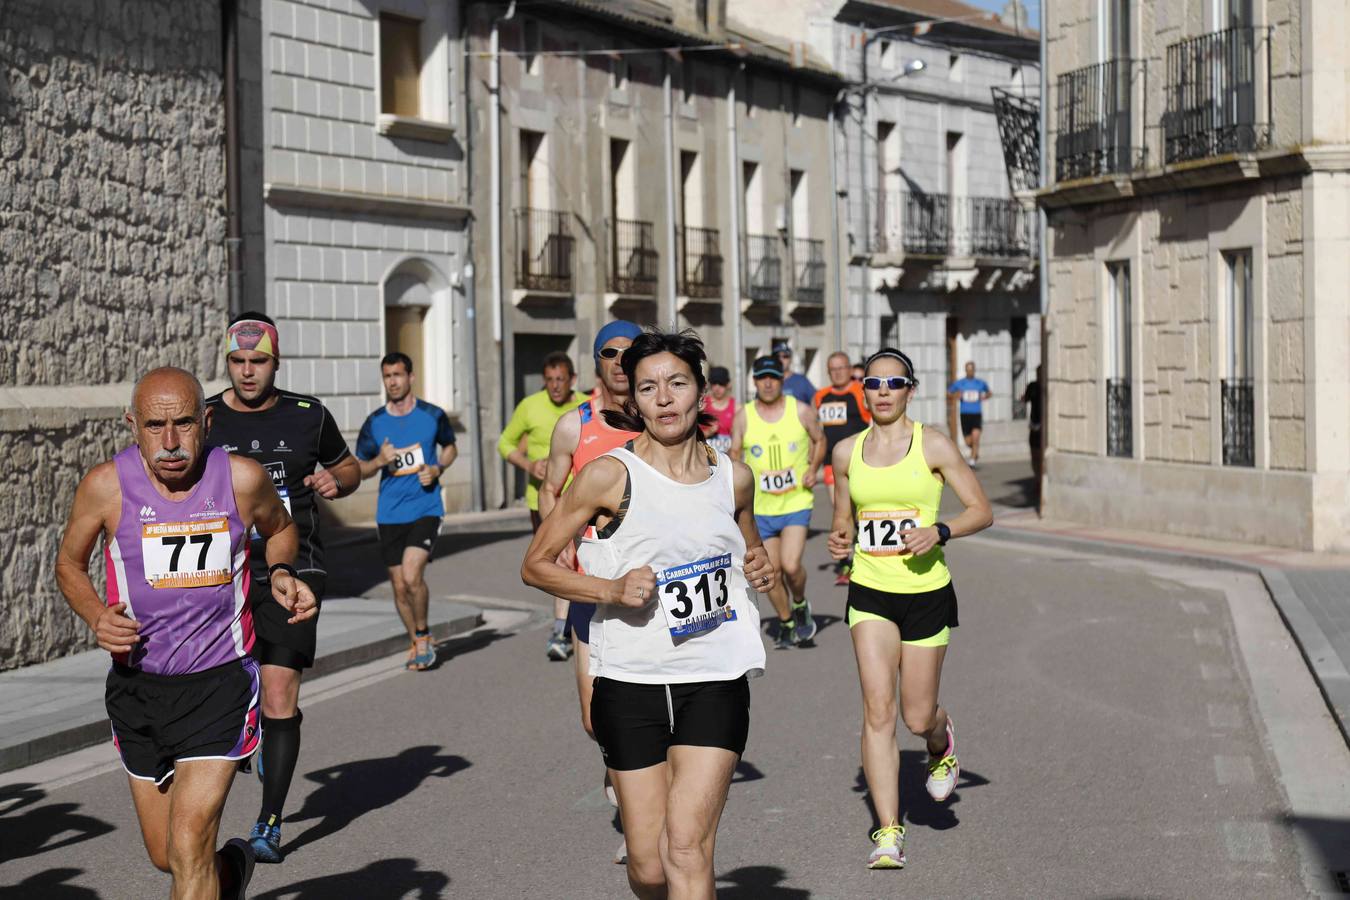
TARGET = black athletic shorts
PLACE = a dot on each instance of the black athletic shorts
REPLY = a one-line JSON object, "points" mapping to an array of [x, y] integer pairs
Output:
{"points": [[918, 616], [160, 720], [636, 724], [277, 642], [394, 539], [971, 421]]}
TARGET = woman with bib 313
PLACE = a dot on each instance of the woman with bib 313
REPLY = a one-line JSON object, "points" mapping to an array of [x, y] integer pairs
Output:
{"points": [[676, 632], [901, 606]]}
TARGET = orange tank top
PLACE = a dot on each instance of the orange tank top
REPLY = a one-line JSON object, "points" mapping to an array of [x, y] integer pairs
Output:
{"points": [[596, 437]]}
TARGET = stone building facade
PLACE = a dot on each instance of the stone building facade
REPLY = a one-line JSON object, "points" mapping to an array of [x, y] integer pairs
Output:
{"points": [[1199, 217], [112, 258], [646, 176], [366, 242]]}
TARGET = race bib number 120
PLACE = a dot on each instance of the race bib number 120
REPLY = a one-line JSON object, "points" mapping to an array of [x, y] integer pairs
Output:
{"points": [[410, 460], [694, 596], [879, 531], [186, 554]]}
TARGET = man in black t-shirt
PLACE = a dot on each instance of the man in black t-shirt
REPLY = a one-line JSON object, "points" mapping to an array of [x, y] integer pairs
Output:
{"points": [[296, 439]]}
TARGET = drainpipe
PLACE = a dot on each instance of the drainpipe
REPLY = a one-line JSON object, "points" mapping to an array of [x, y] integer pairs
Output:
{"points": [[840, 284], [479, 500], [233, 230], [671, 286], [499, 324], [734, 191], [1043, 281]]}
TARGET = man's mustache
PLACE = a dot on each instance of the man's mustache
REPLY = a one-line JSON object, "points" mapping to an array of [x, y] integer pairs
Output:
{"points": [[178, 453]]}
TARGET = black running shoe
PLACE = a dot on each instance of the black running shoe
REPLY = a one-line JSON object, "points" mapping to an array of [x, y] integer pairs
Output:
{"points": [[238, 855]]}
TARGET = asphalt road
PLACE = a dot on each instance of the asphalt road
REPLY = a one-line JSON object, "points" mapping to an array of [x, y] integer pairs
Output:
{"points": [[1109, 740]]}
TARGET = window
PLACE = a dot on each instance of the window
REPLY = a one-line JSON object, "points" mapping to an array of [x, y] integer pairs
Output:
{"points": [[400, 66], [1237, 386], [531, 46], [1119, 415]]}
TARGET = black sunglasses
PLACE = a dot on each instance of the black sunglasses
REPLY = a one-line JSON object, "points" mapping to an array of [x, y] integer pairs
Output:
{"points": [[611, 352], [894, 382]]}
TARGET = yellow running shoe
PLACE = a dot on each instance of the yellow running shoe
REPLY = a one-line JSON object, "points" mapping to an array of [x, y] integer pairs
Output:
{"points": [[888, 851]]}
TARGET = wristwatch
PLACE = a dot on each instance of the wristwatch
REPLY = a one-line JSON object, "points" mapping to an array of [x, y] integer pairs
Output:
{"points": [[285, 567], [944, 533]]}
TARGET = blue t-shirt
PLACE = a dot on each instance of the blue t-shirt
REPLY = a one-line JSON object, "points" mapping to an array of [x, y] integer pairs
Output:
{"points": [[416, 436], [799, 386], [972, 391]]}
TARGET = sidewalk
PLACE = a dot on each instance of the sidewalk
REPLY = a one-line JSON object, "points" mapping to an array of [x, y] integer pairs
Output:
{"points": [[1311, 591], [57, 707]]}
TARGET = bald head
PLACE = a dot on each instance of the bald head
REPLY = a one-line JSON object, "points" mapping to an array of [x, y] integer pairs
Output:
{"points": [[169, 419], [168, 383]]}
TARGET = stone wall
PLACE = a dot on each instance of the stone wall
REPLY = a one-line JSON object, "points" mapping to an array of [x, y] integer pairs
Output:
{"points": [[112, 227]]}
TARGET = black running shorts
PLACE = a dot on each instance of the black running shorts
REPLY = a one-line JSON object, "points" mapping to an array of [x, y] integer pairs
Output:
{"points": [[636, 724], [918, 616], [394, 539], [971, 422], [160, 720], [279, 643]]}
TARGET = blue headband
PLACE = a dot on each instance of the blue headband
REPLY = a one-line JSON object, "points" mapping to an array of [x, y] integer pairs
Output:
{"points": [[618, 328]]}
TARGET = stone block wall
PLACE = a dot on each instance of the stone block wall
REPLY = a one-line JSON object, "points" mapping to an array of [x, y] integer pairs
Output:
{"points": [[112, 258]]}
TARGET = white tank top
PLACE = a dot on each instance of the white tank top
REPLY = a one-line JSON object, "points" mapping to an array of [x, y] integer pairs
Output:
{"points": [[703, 624]]}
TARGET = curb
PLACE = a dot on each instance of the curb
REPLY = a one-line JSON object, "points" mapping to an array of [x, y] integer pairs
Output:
{"points": [[96, 731]]}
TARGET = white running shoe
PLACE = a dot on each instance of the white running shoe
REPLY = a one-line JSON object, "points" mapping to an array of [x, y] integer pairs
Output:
{"points": [[888, 850], [944, 770]]}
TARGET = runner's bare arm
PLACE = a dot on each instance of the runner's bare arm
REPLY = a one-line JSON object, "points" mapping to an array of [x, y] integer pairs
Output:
{"points": [[840, 541], [811, 422], [260, 507], [518, 457], [738, 434], [944, 458], [337, 480], [597, 490], [759, 571], [94, 512], [445, 457], [372, 466], [561, 447]]}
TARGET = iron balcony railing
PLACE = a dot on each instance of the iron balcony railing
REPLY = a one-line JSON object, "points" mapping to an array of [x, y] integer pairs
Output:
{"points": [[1095, 122], [808, 260], [1239, 422], [634, 261], [700, 262], [1213, 107], [939, 225], [1119, 418], [544, 247], [763, 268]]}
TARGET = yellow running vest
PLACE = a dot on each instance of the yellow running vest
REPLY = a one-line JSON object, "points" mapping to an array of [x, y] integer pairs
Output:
{"points": [[888, 500], [778, 453]]}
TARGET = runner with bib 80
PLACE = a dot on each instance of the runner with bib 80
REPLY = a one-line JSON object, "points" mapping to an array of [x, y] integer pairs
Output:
{"points": [[676, 632]]}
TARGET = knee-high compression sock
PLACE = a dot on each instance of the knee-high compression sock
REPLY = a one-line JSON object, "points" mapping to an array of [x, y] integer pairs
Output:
{"points": [[280, 749]]}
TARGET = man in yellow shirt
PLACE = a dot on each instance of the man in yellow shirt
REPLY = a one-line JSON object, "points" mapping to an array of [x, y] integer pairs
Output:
{"points": [[533, 422]]}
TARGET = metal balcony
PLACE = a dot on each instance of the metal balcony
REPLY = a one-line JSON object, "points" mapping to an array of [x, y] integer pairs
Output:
{"points": [[1119, 418], [943, 226], [763, 268], [1213, 107], [634, 261], [1094, 120], [700, 263], [544, 247], [808, 260], [1239, 426]]}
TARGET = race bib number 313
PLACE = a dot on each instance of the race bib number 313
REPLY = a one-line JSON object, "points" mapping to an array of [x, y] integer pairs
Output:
{"points": [[879, 531], [694, 596], [186, 554], [410, 460]]}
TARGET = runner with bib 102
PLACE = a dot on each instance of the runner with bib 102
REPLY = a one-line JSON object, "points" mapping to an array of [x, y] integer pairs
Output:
{"points": [[674, 527]]}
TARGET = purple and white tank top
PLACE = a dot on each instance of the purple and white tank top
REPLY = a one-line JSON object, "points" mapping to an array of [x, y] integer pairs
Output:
{"points": [[182, 569]]}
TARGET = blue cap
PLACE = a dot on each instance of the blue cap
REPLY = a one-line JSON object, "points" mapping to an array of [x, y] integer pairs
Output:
{"points": [[767, 365], [617, 328]]}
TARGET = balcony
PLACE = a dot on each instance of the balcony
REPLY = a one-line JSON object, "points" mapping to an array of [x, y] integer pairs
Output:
{"points": [[544, 247], [763, 269], [1094, 120], [936, 225], [1239, 429], [808, 260], [700, 263], [1213, 107], [633, 259], [1119, 418]]}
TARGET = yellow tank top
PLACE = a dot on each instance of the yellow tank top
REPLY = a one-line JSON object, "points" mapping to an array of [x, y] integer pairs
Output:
{"points": [[778, 453], [887, 500]]}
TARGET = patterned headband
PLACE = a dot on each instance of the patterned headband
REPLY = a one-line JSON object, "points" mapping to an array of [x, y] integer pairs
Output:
{"points": [[251, 334]]}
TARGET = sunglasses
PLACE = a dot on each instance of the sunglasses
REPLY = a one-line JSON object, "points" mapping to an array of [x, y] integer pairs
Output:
{"points": [[611, 352], [894, 382]]}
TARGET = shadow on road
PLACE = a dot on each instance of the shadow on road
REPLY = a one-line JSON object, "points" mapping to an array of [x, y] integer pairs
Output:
{"points": [[48, 885], [42, 828], [385, 879], [363, 569], [823, 620], [916, 807], [755, 882], [1331, 838], [746, 772], [350, 790], [459, 645]]}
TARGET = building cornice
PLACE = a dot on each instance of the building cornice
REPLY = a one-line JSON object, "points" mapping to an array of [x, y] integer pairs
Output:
{"points": [[295, 196]]}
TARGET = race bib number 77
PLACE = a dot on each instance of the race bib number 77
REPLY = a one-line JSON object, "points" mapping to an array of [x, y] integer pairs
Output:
{"points": [[186, 554], [694, 596]]}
